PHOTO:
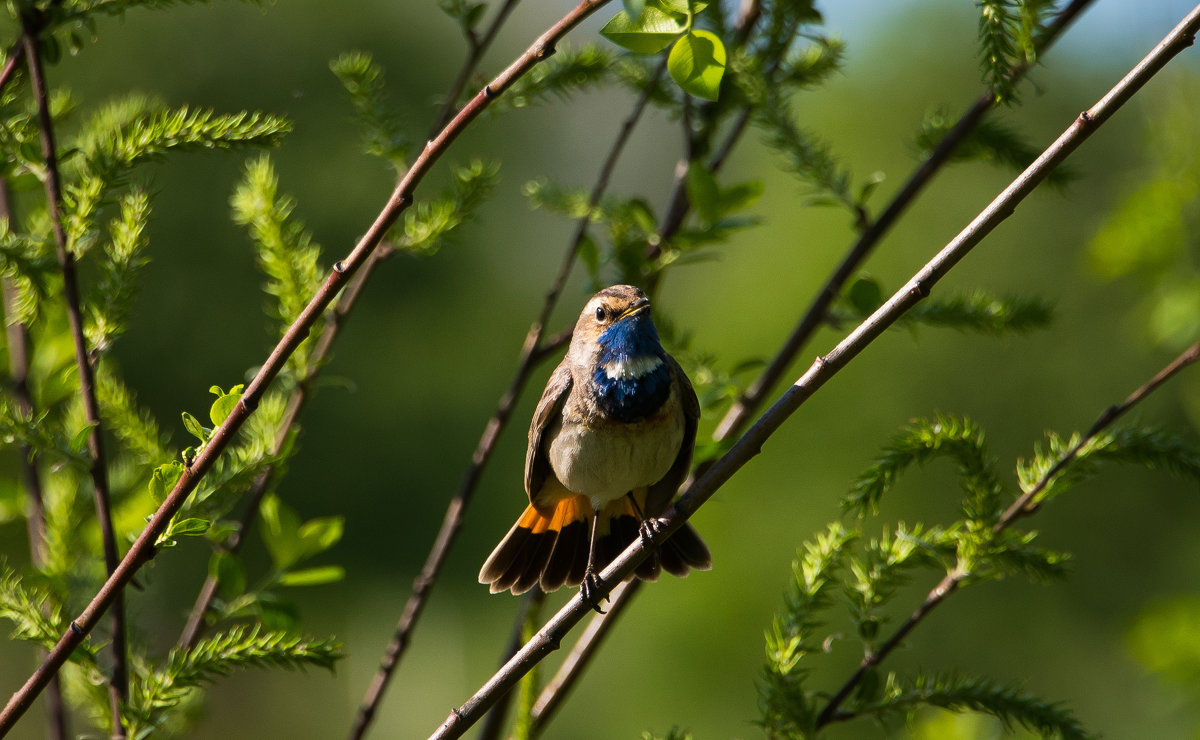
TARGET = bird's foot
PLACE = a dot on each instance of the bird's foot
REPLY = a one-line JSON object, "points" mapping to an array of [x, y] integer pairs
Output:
{"points": [[589, 591], [649, 529]]}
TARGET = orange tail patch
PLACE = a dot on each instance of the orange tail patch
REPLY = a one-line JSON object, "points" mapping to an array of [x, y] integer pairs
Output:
{"points": [[549, 547]]}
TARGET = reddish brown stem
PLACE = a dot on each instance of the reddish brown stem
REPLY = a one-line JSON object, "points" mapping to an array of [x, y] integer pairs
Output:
{"points": [[97, 465], [143, 548], [18, 365]]}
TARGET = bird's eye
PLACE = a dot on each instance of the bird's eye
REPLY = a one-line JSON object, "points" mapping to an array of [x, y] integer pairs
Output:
{"points": [[600, 314]]}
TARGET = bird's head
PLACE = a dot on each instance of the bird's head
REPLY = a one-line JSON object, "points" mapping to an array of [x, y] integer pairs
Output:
{"points": [[615, 333]]}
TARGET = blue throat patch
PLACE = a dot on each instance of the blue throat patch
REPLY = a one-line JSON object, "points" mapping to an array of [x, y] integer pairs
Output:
{"points": [[631, 343]]}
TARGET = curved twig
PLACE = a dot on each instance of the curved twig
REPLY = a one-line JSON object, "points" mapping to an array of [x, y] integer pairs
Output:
{"points": [[143, 548], [822, 370]]}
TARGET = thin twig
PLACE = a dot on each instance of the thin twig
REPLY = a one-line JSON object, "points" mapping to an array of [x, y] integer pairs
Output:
{"points": [[142, 549], [1020, 508], [750, 401], [822, 370], [533, 351], [476, 47], [531, 606], [334, 323], [18, 368], [577, 661], [97, 464]]}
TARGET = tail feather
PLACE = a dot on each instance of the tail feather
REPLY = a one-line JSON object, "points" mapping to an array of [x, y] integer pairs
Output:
{"points": [[549, 547], [568, 558]]}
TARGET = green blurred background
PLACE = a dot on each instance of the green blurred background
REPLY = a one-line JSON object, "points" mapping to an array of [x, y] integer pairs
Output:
{"points": [[433, 344]]}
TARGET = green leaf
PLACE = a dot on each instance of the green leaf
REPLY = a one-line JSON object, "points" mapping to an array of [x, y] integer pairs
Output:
{"points": [[865, 295], [195, 428], [589, 253], [225, 403], [231, 577], [684, 7], [318, 535], [652, 32], [697, 64], [703, 192], [313, 576], [276, 613], [280, 532], [634, 8], [740, 196], [191, 527], [80, 440]]}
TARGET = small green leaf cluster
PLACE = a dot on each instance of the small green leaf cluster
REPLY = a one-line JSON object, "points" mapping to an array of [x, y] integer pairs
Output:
{"points": [[383, 133], [290, 543], [429, 223], [976, 310], [569, 71], [697, 58], [989, 141], [844, 568], [1009, 31], [285, 251], [160, 690]]}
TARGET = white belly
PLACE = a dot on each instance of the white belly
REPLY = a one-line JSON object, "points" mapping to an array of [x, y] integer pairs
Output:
{"points": [[606, 463]]}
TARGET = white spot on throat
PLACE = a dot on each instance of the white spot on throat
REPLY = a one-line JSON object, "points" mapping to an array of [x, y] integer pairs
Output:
{"points": [[627, 368]]}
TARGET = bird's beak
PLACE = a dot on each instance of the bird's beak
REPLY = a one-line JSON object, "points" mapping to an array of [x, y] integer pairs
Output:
{"points": [[635, 308]]}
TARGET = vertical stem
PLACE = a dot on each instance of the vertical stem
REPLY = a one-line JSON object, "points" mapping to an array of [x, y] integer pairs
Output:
{"points": [[118, 683], [18, 367]]}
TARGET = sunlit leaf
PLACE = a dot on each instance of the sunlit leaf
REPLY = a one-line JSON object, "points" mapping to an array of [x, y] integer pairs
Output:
{"points": [[697, 64], [652, 32]]}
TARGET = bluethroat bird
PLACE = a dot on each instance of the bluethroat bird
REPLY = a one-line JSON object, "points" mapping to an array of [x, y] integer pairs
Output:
{"points": [[610, 443]]}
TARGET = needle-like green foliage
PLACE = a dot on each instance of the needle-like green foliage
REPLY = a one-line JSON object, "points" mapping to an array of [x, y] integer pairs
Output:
{"points": [[847, 569], [159, 690]]}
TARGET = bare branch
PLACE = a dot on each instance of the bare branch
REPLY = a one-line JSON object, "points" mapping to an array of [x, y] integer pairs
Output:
{"points": [[477, 46], [750, 401], [97, 466], [919, 286], [577, 661], [143, 548]]}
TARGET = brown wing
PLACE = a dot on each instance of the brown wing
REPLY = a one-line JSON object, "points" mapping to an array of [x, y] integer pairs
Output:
{"points": [[661, 493], [549, 411]]}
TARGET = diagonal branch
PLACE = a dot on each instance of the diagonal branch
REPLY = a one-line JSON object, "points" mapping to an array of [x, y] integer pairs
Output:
{"points": [[822, 370], [321, 351], [577, 661], [534, 349], [142, 549], [749, 402], [477, 46], [97, 466], [1020, 508]]}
